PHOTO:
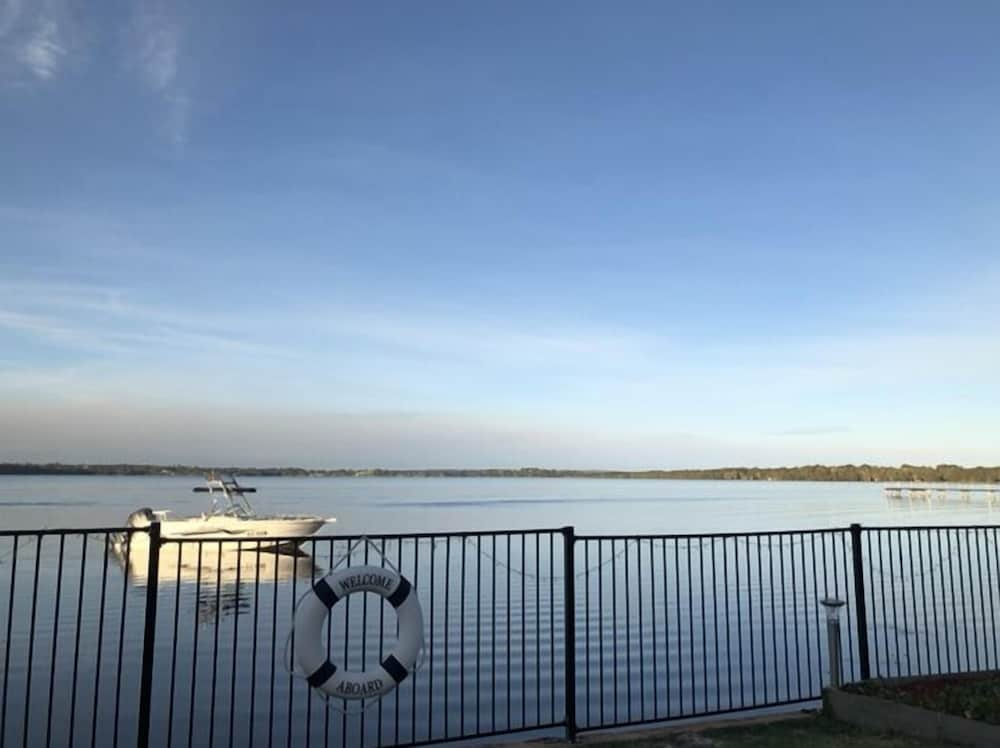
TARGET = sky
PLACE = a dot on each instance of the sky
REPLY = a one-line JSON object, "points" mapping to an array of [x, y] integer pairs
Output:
{"points": [[452, 234]]}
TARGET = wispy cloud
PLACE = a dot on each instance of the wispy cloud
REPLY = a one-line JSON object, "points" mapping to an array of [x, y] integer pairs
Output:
{"points": [[480, 338], [813, 431], [105, 321], [39, 39], [43, 50], [34, 40], [155, 48]]}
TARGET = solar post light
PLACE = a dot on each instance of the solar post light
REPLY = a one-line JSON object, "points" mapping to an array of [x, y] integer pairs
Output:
{"points": [[832, 607]]}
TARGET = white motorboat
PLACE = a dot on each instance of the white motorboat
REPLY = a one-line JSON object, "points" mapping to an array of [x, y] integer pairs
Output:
{"points": [[231, 518]]}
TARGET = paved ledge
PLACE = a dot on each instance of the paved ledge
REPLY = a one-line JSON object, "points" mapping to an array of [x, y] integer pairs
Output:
{"points": [[877, 714]]}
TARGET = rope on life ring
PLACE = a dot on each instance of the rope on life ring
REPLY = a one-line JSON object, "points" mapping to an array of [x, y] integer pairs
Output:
{"points": [[310, 640]]}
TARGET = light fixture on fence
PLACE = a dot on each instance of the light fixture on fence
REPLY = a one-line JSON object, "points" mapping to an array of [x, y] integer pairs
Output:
{"points": [[832, 607]]}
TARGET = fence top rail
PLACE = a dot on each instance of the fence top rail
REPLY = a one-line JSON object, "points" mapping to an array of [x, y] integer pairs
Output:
{"points": [[56, 531], [709, 535], [276, 538], [908, 528], [271, 539]]}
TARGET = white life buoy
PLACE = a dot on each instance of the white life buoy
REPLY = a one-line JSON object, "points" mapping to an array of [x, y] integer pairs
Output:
{"points": [[310, 634]]}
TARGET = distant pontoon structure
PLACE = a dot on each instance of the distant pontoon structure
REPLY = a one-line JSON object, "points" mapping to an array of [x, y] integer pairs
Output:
{"points": [[943, 492]]}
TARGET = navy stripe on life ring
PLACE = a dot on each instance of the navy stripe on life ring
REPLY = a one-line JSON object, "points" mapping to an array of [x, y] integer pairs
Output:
{"points": [[322, 674], [398, 597], [395, 669], [325, 593]]}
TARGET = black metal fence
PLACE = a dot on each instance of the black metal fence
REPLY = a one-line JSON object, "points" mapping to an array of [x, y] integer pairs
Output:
{"points": [[683, 626], [117, 637], [932, 593]]}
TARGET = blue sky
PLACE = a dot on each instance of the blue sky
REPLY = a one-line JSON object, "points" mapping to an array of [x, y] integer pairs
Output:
{"points": [[451, 234]]}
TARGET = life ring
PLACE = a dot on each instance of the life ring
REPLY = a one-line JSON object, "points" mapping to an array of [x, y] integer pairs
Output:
{"points": [[310, 636]]}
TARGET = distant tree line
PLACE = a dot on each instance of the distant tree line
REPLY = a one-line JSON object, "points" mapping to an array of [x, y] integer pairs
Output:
{"points": [[866, 473]]}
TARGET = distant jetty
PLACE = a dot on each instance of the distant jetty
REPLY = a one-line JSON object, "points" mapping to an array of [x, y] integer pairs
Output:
{"points": [[916, 475], [943, 491]]}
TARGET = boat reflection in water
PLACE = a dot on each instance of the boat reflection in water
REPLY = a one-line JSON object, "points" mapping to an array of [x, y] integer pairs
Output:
{"points": [[225, 576]]}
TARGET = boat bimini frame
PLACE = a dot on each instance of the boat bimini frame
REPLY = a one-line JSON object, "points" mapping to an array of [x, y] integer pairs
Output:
{"points": [[236, 502]]}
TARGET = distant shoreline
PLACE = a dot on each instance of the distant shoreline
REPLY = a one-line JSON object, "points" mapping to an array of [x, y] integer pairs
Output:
{"points": [[827, 473]]}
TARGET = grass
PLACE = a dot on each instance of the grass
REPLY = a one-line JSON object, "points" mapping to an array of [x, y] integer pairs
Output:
{"points": [[970, 696], [813, 731]]}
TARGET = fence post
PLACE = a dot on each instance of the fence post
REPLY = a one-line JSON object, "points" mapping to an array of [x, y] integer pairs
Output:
{"points": [[569, 623], [149, 635], [861, 613]]}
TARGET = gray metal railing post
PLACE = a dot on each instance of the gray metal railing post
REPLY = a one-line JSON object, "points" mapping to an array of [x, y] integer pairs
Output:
{"points": [[833, 644], [860, 611], [149, 635], [569, 622], [833, 606]]}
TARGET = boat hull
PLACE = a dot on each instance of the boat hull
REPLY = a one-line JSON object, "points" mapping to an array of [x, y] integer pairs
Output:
{"points": [[288, 530]]}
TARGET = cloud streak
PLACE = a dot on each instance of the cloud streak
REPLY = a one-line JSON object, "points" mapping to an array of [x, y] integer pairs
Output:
{"points": [[43, 50], [105, 321], [154, 49], [34, 41]]}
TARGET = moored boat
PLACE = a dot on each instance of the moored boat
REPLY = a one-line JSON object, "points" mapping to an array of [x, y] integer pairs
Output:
{"points": [[231, 518]]}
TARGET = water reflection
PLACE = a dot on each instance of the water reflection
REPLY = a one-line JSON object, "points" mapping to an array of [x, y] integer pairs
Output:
{"points": [[225, 577]]}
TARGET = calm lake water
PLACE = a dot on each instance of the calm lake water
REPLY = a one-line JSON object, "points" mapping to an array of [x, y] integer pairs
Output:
{"points": [[665, 627], [390, 505]]}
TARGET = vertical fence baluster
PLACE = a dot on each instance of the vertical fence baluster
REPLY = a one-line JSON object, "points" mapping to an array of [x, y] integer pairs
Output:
{"points": [[784, 616], [381, 634], [642, 653], [26, 724], [848, 654], [923, 599], [704, 623], [274, 647], [100, 640], [944, 612], [215, 652], [739, 619], [508, 627], [235, 652], [552, 626], [666, 627], [902, 602], [763, 626], [860, 611], [76, 643], [149, 634], [652, 616], [479, 584], [990, 566], [913, 599], [173, 649], [954, 605], [614, 626], [690, 581], [253, 644], [7, 641], [981, 606], [628, 636], [194, 648], [524, 634], [55, 640], [569, 622], [600, 623], [795, 614], [586, 636], [715, 631], [815, 606]]}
